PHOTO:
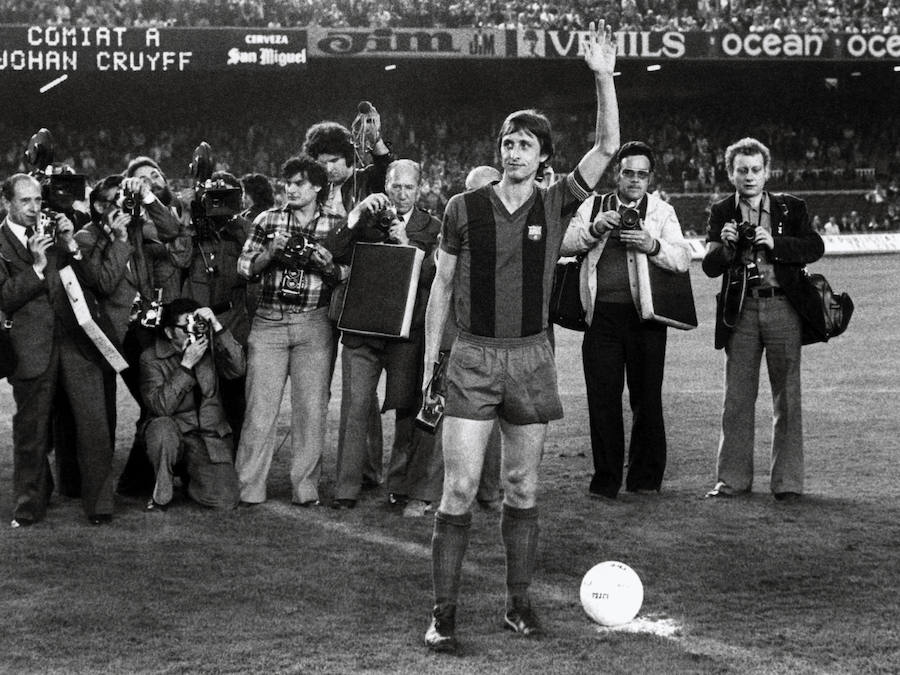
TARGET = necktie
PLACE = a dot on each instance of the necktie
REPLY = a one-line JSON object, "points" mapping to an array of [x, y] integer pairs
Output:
{"points": [[29, 232]]}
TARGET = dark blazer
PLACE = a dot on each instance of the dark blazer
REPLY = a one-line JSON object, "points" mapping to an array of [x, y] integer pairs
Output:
{"points": [[35, 305], [796, 244], [422, 230]]}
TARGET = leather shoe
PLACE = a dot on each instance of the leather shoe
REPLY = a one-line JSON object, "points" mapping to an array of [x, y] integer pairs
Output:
{"points": [[21, 522], [788, 497], [342, 504], [308, 503]]}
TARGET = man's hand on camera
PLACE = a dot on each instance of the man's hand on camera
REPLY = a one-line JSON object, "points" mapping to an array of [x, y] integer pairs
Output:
{"points": [[65, 231], [278, 241], [118, 225], [210, 317], [608, 220], [729, 234], [763, 238], [637, 239], [138, 187], [321, 258], [194, 351], [38, 245], [376, 203], [397, 233]]}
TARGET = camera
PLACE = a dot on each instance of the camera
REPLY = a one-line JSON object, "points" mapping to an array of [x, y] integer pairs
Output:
{"points": [[630, 220], [59, 191], [196, 327], [148, 313], [386, 219], [746, 233], [129, 203], [294, 259], [432, 410], [213, 197], [46, 224]]}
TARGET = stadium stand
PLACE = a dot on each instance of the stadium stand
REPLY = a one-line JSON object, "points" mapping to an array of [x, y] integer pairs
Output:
{"points": [[804, 16]]}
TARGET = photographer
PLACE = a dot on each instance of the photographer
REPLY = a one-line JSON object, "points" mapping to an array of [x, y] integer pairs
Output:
{"points": [[759, 242], [293, 250], [181, 384], [54, 357], [393, 219], [342, 153], [160, 214], [258, 195], [612, 230], [217, 234]]}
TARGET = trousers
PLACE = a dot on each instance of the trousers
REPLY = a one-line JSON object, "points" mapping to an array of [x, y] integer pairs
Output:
{"points": [[296, 346], [769, 325]]}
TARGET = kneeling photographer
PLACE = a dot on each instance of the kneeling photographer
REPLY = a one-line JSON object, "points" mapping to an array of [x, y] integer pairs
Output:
{"points": [[210, 250], [293, 250], [393, 219], [181, 378]]}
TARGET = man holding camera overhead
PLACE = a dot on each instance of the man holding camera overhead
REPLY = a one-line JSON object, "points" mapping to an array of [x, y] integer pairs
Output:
{"points": [[293, 250], [612, 230], [394, 219], [758, 242], [181, 376], [54, 357]]}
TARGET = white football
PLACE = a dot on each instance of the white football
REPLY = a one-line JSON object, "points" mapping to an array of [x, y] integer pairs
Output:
{"points": [[611, 593]]}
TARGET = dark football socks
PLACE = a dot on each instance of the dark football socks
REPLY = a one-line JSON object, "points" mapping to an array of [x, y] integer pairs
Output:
{"points": [[519, 528], [448, 547]]}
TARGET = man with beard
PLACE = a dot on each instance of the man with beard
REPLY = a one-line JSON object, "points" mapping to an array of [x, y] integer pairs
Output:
{"points": [[161, 213]]}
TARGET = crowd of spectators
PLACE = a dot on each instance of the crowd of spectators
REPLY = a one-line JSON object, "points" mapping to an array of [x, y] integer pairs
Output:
{"points": [[802, 16], [832, 153]]}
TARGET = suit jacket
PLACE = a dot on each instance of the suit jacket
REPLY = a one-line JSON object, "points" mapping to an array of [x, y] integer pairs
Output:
{"points": [[422, 230], [796, 244], [39, 308], [169, 390]]}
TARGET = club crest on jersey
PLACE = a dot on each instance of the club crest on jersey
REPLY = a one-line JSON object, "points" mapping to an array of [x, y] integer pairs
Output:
{"points": [[535, 232]]}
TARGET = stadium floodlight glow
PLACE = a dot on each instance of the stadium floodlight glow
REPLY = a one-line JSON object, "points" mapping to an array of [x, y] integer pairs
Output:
{"points": [[617, 73], [856, 73], [897, 69], [654, 68], [392, 66]]}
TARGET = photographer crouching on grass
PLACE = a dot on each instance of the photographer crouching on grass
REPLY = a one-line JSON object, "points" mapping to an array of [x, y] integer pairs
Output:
{"points": [[180, 385]]}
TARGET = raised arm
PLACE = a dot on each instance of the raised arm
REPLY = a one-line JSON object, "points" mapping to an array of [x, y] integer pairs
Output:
{"points": [[600, 56]]}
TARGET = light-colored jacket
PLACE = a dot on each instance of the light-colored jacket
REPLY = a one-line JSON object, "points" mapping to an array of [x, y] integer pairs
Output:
{"points": [[662, 224]]}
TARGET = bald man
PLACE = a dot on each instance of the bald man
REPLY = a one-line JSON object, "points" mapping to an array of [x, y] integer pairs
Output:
{"points": [[364, 357]]}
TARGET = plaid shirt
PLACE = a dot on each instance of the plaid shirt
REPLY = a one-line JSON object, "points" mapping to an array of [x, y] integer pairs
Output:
{"points": [[265, 226]]}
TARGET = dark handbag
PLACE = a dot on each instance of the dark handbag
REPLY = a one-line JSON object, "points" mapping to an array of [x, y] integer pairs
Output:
{"points": [[836, 308], [566, 309]]}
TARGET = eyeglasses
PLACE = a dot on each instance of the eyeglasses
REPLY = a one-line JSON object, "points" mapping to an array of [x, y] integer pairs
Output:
{"points": [[631, 173]]}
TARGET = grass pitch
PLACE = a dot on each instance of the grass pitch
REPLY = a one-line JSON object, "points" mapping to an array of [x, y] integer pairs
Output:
{"points": [[744, 586]]}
